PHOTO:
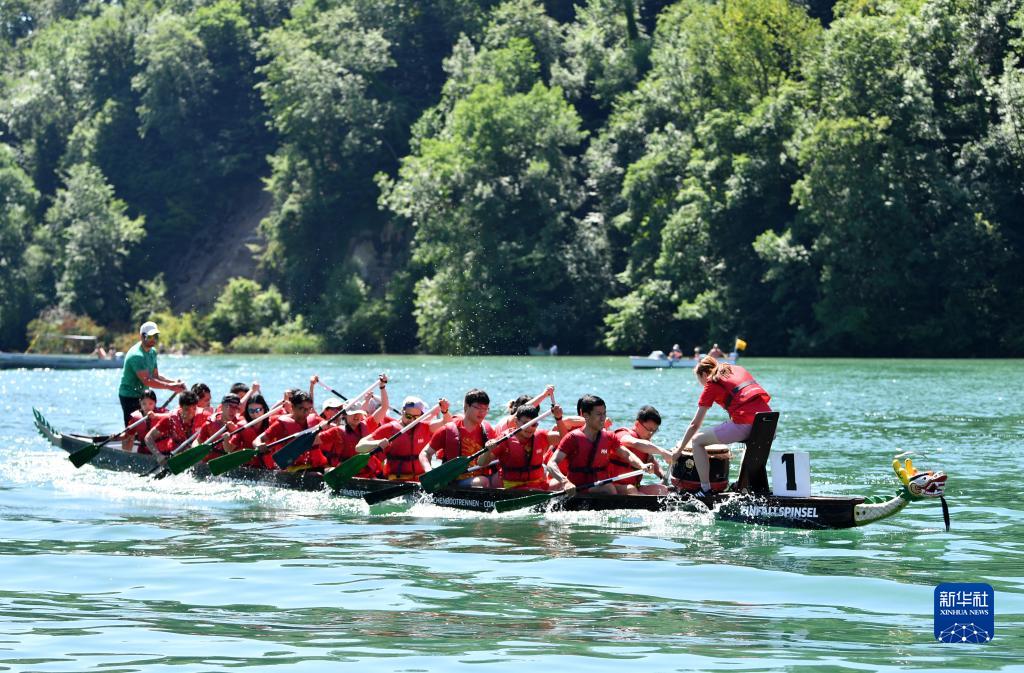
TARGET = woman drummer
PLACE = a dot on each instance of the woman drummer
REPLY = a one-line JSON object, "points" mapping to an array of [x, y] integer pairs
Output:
{"points": [[734, 389]]}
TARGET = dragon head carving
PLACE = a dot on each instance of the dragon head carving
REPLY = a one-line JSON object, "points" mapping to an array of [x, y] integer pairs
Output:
{"points": [[920, 484]]}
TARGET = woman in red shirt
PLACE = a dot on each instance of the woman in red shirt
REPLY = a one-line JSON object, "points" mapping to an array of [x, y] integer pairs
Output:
{"points": [[734, 389]]}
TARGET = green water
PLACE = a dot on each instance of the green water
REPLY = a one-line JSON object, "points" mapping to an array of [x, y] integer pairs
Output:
{"points": [[112, 572]]}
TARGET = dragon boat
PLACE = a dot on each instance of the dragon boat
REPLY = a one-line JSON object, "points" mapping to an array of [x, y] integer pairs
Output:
{"points": [[751, 504]]}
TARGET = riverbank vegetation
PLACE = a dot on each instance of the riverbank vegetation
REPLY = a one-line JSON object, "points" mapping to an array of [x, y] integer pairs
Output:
{"points": [[475, 176]]}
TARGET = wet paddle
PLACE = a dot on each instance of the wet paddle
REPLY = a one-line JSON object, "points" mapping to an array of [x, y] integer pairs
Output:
{"points": [[230, 461], [161, 470], [406, 487], [540, 498], [351, 467], [186, 459], [446, 472], [84, 455]]}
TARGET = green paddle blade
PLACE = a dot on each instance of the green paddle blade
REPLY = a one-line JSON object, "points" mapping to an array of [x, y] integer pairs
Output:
{"points": [[226, 463], [83, 456], [521, 503], [180, 462], [350, 468], [443, 474], [373, 497], [286, 456]]}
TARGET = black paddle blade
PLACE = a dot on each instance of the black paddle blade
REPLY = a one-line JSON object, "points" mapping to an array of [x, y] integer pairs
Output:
{"points": [[444, 474], [373, 497], [521, 503], [350, 468], [222, 464], [286, 456], [180, 462], [83, 456]]}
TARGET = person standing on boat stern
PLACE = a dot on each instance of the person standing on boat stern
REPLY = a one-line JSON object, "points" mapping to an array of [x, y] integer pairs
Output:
{"points": [[588, 451], [735, 390], [464, 437], [176, 427], [140, 371]]}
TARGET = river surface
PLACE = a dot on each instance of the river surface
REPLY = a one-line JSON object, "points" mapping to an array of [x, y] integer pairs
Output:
{"points": [[111, 572]]}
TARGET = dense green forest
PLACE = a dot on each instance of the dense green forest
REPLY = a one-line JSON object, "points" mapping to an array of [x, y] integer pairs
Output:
{"points": [[474, 176]]}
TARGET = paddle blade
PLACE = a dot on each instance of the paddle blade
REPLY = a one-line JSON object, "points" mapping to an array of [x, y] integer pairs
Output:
{"points": [[521, 503], [226, 463], [373, 497], [83, 456], [444, 474], [286, 456], [350, 468], [180, 462]]}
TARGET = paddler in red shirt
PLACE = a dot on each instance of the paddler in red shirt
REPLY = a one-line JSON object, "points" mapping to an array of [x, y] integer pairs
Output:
{"points": [[136, 439], [638, 440], [286, 426], [338, 442], [734, 389], [177, 426], [227, 415], [464, 437], [523, 455], [402, 457], [588, 451], [204, 397]]}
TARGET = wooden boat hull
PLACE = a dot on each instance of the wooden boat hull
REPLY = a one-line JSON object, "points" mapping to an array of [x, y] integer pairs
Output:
{"points": [[812, 512], [39, 361]]}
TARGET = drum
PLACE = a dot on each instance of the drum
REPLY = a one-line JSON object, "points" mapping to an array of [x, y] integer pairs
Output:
{"points": [[684, 472]]}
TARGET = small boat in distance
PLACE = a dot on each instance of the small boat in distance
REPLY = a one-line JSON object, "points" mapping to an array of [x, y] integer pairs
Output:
{"points": [[62, 360], [658, 360]]}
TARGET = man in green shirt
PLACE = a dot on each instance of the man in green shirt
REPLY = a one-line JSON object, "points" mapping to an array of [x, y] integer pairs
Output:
{"points": [[140, 371]]}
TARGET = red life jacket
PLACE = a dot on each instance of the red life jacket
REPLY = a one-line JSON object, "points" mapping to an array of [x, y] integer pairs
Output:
{"points": [[525, 462], [589, 462], [141, 431], [619, 466], [403, 454], [451, 435], [741, 388]]}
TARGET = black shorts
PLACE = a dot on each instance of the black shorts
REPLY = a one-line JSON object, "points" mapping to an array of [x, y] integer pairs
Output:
{"points": [[129, 405]]}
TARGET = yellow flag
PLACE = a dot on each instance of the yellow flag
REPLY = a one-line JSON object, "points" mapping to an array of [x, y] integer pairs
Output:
{"points": [[741, 345]]}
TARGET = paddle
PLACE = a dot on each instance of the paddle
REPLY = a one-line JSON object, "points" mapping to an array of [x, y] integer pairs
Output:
{"points": [[300, 442], [373, 497], [163, 407], [354, 400], [186, 459], [161, 470], [449, 470], [230, 461], [539, 498], [84, 455], [351, 467]]}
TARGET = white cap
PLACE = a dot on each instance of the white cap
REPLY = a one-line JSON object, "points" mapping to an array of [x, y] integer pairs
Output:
{"points": [[149, 329], [414, 403], [331, 403]]}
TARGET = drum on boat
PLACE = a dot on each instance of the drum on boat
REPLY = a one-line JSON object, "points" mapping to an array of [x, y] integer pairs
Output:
{"points": [[684, 472]]}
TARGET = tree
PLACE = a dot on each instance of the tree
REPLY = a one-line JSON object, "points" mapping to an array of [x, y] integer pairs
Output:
{"points": [[491, 196], [16, 223], [245, 308], [94, 236]]}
